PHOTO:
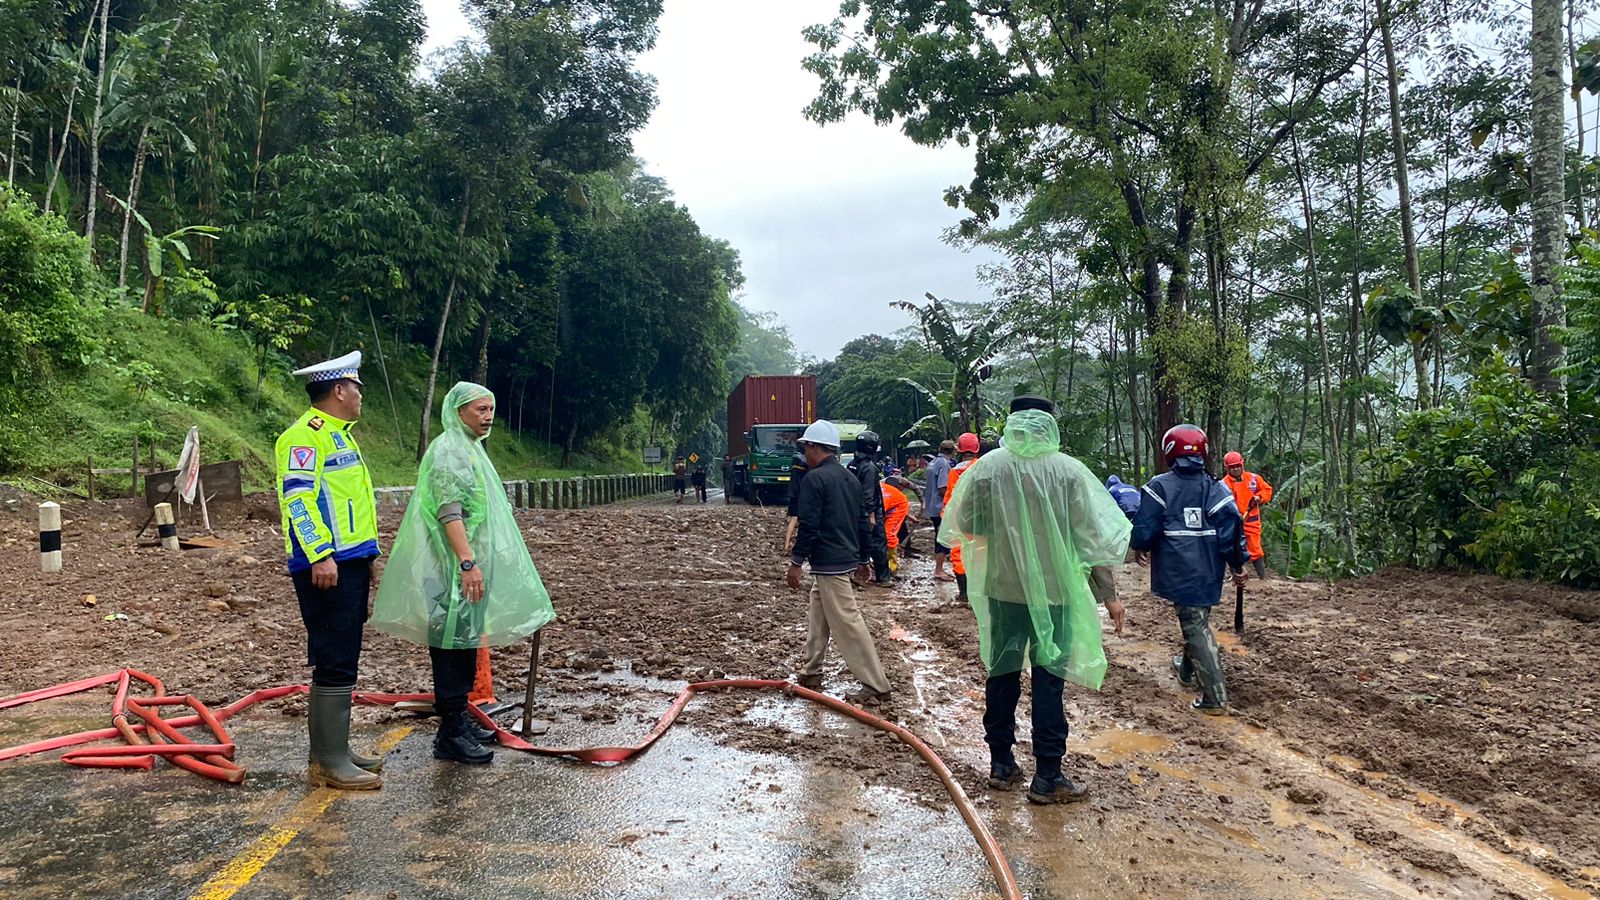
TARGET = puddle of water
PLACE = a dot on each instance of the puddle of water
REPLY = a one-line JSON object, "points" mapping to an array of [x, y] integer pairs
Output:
{"points": [[1115, 745]]}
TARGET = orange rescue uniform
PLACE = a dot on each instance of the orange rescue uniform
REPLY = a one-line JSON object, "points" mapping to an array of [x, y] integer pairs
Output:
{"points": [[895, 510], [1250, 491], [956, 472]]}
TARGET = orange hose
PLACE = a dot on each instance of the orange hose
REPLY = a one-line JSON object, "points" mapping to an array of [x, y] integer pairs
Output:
{"points": [[214, 758]]}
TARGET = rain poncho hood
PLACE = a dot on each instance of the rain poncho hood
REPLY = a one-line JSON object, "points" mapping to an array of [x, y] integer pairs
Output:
{"points": [[420, 596], [1031, 521]]}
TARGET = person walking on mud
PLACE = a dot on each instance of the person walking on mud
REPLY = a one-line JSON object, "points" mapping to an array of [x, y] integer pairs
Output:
{"points": [[1251, 492], [936, 481], [865, 467], [680, 478], [699, 480], [832, 526], [459, 576], [1191, 527], [1031, 521], [330, 535]]}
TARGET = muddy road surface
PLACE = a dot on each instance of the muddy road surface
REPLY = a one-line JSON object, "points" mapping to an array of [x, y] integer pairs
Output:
{"points": [[1407, 735]]}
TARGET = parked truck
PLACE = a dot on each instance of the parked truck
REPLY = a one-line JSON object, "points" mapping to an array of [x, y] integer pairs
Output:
{"points": [[766, 416]]}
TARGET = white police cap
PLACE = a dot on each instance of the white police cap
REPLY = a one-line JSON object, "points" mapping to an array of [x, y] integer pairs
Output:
{"points": [[346, 366]]}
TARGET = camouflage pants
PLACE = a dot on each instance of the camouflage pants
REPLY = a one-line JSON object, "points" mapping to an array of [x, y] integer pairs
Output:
{"points": [[1200, 656]]}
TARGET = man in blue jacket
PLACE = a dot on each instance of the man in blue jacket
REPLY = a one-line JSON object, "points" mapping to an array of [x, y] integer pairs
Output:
{"points": [[1190, 525], [1126, 495]]}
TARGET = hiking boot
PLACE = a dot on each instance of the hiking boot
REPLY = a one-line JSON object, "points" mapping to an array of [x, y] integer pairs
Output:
{"points": [[1210, 709], [1056, 789], [328, 721], [1177, 668], [456, 744], [814, 682], [868, 697], [1004, 776], [485, 736]]}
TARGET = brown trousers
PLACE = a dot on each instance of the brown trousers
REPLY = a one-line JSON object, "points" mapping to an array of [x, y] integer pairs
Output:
{"points": [[834, 612]]}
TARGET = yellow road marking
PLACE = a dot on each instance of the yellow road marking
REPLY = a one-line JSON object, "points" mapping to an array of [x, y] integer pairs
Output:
{"points": [[251, 860]]}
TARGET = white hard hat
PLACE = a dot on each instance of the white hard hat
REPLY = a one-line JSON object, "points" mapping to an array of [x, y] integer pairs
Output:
{"points": [[821, 432]]}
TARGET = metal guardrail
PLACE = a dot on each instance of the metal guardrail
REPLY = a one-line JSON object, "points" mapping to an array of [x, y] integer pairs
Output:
{"points": [[578, 492]]}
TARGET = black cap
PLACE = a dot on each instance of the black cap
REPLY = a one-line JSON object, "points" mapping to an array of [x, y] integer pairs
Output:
{"points": [[1032, 401]]}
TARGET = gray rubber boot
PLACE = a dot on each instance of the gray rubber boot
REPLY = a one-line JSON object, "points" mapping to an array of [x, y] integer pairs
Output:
{"points": [[328, 717]]}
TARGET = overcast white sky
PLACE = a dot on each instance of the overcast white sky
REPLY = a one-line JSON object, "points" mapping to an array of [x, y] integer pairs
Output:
{"points": [[832, 223]]}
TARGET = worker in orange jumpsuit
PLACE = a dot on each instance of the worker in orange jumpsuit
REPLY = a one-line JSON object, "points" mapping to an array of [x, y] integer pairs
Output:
{"points": [[895, 510], [966, 455], [1250, 491]]}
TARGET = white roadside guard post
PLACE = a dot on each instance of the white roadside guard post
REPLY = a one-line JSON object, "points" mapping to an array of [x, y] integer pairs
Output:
{"points": [[165, 527], [49, 537]]}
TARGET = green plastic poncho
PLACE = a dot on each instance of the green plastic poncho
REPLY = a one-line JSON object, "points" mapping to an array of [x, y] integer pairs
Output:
{"points": [[420, 596], [1031, 521]]}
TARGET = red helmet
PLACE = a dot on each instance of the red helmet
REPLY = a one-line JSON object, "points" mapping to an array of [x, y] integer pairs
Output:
{"points": [[1234, 458], [967, 443], [1183, 440]]}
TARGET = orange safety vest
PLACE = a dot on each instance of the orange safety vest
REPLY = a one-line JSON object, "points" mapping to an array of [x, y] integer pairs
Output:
{"points": [[895, 510], [1250, 491]]}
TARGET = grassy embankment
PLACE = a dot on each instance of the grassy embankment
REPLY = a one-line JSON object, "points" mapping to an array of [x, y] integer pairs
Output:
{"points": [[156, 378]]}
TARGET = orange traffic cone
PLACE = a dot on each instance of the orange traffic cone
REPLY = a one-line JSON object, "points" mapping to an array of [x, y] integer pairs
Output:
{"points": [[483, 682]]}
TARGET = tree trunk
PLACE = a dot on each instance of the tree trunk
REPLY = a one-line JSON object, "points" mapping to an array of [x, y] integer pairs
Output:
{"points": [[66, 129], [1577, 100], [1547, 162], [1150, 292], [1402, 180], [1331, 457], [485, 327], [94, 130], [444, 320], [16, 113], [132, 204]]}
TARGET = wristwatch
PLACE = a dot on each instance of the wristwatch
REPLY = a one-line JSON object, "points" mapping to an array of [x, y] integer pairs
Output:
{"points": [[468, 565]]}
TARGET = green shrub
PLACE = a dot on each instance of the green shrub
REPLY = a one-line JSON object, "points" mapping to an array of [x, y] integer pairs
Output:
{"points": [[51, 298], [1504, 479]]}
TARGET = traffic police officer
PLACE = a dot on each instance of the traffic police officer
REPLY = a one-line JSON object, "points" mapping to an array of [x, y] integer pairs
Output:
{"points": [[330, 529]]}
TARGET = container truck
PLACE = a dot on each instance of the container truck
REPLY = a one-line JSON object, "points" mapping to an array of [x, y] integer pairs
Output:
{"points": [[766, 416]]}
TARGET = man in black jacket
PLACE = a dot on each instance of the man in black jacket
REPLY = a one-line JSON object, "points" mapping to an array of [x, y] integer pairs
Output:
{"points": [[865, 466], [832, 523]]}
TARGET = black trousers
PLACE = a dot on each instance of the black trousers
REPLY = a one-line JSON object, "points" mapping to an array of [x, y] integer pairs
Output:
{"points": [[1000, 696], [453, 673], [333, 619], [880, 551]]}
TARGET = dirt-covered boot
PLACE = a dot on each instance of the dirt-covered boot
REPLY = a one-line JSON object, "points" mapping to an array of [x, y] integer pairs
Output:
{"points": [[456, 744], [1003, 776], [328, 719]]}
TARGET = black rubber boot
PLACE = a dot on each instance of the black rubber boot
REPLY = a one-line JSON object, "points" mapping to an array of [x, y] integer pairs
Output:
{"points": [[328, 719], [456, 744]]}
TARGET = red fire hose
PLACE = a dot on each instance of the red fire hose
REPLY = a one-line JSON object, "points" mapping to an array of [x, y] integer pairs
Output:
{"points": [[156, 736]]}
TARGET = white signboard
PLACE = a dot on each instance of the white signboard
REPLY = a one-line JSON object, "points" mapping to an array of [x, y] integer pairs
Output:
{"points": [[652, 454]]}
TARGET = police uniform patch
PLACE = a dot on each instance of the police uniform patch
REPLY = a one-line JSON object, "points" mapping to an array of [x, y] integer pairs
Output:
{"points": [[338, 439], [1192, 517], [303, 459], [315, 423]]}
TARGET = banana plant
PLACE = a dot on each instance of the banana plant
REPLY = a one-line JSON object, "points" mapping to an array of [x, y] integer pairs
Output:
{"points": [[969, 347], [160, 249]]}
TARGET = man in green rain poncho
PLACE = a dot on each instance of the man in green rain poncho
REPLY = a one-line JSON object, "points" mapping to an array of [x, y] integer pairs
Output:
{"points": [[1031, 522], [459, 576]]}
